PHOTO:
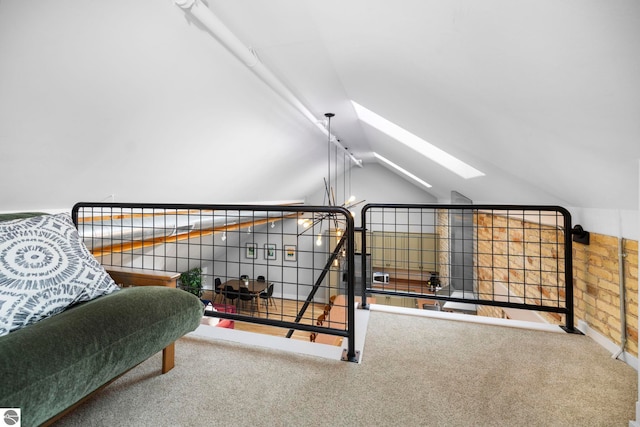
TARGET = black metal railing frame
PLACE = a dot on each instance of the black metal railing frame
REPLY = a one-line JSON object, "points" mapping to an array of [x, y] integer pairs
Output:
{"points": [[567, 309], [331, 212]]}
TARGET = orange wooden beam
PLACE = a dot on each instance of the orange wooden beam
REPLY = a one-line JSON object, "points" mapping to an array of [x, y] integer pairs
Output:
{"points": [[139, 244]]}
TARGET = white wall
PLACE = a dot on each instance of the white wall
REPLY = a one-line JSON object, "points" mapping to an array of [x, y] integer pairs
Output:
{"points": [[610, 222], [291, 279], [128, 101]]}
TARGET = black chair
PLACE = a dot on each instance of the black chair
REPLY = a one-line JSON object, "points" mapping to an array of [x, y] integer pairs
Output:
{"points": [[217, 289], [229, 294], [245, 296], [267, 297], [244, 277], [261, 279]]}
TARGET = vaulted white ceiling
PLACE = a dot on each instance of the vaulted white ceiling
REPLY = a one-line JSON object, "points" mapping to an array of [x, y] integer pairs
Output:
{"points": [[542, 96], [139, 100]]}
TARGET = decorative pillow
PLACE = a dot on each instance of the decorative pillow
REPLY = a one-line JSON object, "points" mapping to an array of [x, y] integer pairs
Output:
{"points": [[44, 269]]}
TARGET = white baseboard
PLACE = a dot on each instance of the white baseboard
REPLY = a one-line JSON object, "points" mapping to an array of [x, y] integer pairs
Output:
{"points": [[636, 423], [610, 346]]}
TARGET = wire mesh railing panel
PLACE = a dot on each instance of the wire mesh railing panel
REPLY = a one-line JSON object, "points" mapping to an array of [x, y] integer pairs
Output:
{"points": [[277, 266], [466, 257]]}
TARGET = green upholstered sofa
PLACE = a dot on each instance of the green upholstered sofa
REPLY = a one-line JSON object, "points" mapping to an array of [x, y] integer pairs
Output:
{"points": [[48, 367]]}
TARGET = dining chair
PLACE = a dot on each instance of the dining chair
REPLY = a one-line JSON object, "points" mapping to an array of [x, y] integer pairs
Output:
{"points": [[244, 276], [229, 293], [245, 295], [217, 288], [267, 297], [261, 279]]}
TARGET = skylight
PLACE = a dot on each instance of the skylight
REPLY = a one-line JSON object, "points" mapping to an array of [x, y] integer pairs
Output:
{"points": [[416, 143], [401, 170]]}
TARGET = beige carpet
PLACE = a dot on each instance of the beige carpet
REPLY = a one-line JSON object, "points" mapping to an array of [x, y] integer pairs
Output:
{"points": [[414, 371]]}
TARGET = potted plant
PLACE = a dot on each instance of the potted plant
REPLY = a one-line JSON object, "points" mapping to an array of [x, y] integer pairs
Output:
{"points": [[192, 282]]}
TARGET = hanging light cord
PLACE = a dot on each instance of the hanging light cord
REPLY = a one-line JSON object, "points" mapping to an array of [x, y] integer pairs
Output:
{"points": [[328, 116]]}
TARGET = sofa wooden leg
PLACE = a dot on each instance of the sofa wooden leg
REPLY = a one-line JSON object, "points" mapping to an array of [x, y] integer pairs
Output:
{"points": [[168, 357]]}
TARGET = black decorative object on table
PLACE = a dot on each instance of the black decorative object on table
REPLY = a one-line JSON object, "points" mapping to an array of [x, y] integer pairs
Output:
{"points": [[434, 281]]}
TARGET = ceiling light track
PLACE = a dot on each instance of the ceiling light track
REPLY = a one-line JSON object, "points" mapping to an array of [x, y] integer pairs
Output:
{"points": [[229, 40]]}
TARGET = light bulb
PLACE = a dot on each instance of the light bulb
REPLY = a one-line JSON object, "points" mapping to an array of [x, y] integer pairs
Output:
{"points": [[319, 240], [224, 236]]}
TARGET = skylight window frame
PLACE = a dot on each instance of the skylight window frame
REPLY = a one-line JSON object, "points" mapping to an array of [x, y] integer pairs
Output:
{"points": [[402, 170], [416, 143]]}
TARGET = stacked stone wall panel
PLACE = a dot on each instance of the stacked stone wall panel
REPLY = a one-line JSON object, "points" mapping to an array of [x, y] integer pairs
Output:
{"points": [[529, 258]]}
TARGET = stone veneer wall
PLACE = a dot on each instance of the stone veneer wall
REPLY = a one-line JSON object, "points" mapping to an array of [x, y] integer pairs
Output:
{"points": [[442, 230], [597, 287], [524, 257], [596, 274]]}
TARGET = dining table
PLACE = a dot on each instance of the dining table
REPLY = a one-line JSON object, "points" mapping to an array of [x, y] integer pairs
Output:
{"points": [[254, 287]]}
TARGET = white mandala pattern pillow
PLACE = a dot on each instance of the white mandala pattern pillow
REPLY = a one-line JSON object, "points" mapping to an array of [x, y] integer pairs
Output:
{"points": [[44, 269]]}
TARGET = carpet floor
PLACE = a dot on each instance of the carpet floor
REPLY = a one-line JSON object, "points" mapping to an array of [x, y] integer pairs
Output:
{"points": [[414, 371]]}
